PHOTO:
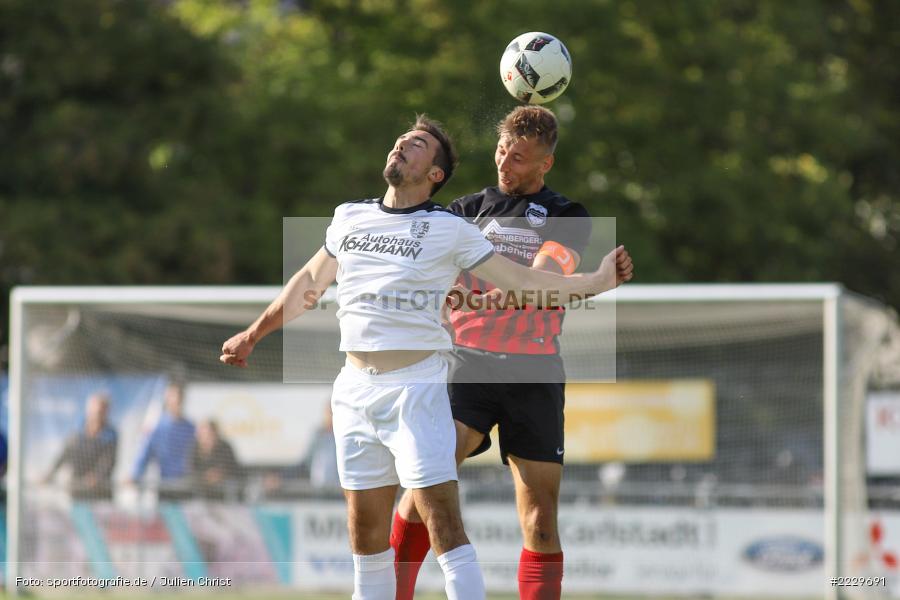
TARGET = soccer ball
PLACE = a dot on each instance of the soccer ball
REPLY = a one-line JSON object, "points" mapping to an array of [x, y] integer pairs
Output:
{"points": [[535, 68]]}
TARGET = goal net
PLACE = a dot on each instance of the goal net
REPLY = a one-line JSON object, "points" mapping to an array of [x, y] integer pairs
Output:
{"points": [[726, 459]]}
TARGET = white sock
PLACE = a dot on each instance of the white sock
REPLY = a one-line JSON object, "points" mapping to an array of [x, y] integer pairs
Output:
{"points": [[462, 574], [374, 577]]}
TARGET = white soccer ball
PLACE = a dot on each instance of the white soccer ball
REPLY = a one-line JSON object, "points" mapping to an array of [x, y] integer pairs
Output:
{"points": [[535, 68]]}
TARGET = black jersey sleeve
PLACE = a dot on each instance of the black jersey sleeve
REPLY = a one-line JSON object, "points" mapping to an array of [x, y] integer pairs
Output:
{"points": [[572, 227]]}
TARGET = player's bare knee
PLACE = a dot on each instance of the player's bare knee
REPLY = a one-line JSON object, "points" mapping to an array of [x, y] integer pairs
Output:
{"points": [[446, 532], [539, 523], [362, 540], [366, 532], [445, 526], [540, 536], [357, 528]]}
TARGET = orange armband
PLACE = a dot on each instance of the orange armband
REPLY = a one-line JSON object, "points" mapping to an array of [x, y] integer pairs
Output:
{"points": [[562, 255]]}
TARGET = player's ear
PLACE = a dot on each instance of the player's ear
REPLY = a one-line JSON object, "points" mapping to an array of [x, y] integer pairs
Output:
{"points": [[436, 174], [547, 163]]}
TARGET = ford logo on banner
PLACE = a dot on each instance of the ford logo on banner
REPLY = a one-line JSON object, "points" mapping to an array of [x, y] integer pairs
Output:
{"points": [[784, 554]]}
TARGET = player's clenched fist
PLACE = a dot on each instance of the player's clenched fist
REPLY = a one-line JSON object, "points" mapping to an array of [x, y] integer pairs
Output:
{"points": [[615, 269], [624, 266], [236, 350]]}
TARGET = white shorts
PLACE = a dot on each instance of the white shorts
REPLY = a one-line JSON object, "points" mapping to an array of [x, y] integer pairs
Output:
{"points": [[394, 427]]}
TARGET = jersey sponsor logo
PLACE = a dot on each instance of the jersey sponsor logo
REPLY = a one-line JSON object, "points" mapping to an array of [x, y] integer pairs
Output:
{"points": [[382, 244], [496, 231], [536, 214], [512, 242], [418, 229]]}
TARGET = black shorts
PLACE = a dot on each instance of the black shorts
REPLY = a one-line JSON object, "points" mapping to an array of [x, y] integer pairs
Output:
{"points": [[487, 389]]}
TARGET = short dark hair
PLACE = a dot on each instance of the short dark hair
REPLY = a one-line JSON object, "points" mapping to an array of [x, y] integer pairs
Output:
{"points": [[531, 122], [445, 157]]}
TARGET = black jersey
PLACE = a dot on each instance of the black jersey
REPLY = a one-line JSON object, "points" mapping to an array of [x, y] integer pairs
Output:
{"points": [[517, 226]]}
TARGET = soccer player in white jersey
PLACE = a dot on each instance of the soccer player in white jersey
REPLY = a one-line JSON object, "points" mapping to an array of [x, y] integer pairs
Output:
{"points": [[395, 258]]}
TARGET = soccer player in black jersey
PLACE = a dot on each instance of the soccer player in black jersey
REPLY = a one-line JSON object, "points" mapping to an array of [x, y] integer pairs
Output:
{"points": [[527, 223]]}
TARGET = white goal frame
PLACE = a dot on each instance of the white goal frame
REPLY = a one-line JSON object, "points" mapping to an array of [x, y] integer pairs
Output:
{"points": [[830, 294]]}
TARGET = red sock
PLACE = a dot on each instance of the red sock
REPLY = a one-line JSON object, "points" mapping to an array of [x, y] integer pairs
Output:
{"points": [[410, 543], [540, 575]]}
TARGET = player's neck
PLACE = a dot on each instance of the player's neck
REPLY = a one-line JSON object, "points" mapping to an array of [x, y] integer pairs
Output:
{"points": [[404, 197], [533, 189]]}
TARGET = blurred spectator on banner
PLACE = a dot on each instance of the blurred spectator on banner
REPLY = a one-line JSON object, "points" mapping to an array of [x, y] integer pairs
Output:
{"points": [[90, 454], [169, 444], [216, 474]]}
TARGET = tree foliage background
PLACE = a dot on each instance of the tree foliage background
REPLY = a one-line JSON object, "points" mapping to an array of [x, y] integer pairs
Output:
{"points": [[157, 142]]}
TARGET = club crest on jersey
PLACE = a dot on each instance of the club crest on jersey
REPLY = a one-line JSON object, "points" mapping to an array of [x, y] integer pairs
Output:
{"points": [[418, 229], [536, 215]]}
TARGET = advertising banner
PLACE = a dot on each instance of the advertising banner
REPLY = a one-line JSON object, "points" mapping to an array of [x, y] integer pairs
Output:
{"points": [[616, 550]]}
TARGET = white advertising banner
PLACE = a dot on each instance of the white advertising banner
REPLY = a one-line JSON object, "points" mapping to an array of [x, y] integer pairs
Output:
{"points": [[615, 550], [883, 433], [666, 551]]}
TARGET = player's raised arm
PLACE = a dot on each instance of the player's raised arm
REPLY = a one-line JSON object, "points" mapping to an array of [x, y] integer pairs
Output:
{"points": [[300, 294], [615, 269]]}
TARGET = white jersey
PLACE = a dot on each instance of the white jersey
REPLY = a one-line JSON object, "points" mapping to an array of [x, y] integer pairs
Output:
{"points": [[395, 267]]}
